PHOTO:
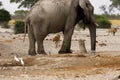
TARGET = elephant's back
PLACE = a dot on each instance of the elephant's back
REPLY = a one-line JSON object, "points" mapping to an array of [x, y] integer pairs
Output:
{"points": [[51, 7], [55, 12]]}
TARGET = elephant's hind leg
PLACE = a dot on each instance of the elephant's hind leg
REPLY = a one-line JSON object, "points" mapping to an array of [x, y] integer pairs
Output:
{"points": [[40, 34], [32, 40], [40, 49]]}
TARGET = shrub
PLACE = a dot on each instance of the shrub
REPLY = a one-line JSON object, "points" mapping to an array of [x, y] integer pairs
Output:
{"points": [[102, 21], [4, 18], [4, 15], [19, 27]]}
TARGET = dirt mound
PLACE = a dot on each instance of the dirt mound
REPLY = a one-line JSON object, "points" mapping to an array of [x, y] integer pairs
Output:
{"points": [[68, 61], [60, 66]]}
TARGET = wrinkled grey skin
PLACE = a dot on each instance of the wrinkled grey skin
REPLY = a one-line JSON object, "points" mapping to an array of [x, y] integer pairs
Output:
{"points": [[52, 16]]}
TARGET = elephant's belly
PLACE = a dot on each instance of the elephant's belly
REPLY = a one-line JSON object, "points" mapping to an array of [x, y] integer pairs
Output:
{"points": [[57, 24], [56, 28]]}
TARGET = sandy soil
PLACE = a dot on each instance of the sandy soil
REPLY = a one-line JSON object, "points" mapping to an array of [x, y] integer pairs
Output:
{"points": [[102, 65]]}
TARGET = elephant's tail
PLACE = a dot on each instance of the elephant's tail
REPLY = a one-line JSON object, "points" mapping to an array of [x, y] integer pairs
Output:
{"points": [[25, 29]]}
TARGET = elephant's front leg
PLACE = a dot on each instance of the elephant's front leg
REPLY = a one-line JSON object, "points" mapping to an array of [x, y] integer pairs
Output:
{"points": [[68, 31], [66, 42]]}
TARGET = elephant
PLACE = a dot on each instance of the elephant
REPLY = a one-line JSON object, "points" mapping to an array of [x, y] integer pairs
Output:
{"points": [[53, 16]]}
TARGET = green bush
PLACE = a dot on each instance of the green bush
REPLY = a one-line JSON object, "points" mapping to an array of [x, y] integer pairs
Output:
{"points": [[102, 21], [19, 27], [4, 15]]}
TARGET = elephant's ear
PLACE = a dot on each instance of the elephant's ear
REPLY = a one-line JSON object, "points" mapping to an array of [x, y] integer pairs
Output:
{"points": [[87, 8]]}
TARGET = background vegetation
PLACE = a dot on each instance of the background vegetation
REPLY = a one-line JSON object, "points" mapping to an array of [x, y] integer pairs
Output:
{"points": [[19, 27], [19, 15], [102, 21], [4, 15], [4, 18]]}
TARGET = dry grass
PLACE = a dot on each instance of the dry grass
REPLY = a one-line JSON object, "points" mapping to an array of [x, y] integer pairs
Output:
{"points": [[11, 22], [115, 22]]}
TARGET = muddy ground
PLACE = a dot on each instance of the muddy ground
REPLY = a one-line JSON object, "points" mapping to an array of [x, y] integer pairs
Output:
{"points": [[102, 65]]}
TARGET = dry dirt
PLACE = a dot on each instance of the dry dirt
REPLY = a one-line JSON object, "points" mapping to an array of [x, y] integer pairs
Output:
{"points": [[102, 65]]}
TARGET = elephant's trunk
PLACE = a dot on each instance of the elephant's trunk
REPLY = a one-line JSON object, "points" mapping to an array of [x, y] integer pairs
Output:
{"points": [[92, 29]]}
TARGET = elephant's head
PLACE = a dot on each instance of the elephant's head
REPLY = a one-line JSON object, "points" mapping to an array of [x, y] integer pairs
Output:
{"points": [[87, 16]]}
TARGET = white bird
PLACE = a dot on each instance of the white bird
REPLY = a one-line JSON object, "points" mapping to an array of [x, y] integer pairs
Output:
{"points": [[16, 58], [19, 60]]}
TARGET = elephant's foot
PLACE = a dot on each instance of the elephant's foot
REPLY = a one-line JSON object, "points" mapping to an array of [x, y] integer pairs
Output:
{"points": [[65, 52], [42, 53], [32, 53]]}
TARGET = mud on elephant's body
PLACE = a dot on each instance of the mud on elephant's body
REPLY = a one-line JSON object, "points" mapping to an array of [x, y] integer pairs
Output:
{"points": [[52, 16]]}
